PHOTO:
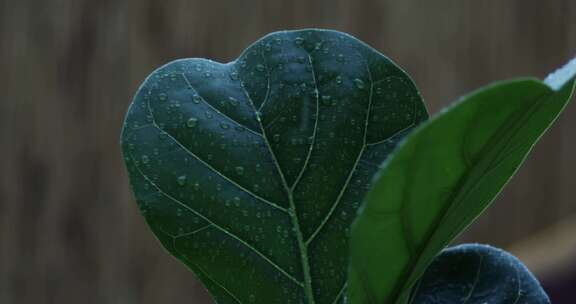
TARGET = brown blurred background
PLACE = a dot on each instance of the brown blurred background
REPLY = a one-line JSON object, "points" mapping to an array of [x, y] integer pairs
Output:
{"points": [[70, 231]]}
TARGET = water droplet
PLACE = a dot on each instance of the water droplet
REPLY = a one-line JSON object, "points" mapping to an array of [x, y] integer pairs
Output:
{"points": [[326, 100], [145, 159], [207, 75], [239, 170], [181, 180], [233, 101], [162, 96], [234, 75], [299, 40], [339, 79], [260, 67], [340, 58], [196, 98], [315, 93], [359, 83], [224, 126], [192, 122], [276, 138]]}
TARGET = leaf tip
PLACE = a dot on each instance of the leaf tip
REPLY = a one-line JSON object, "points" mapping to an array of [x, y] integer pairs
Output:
{"points": [[557, 79]]}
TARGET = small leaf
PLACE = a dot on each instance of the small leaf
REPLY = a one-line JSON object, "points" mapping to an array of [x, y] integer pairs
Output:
{"points": [[251, 172], [442, 177], [477, 274]]}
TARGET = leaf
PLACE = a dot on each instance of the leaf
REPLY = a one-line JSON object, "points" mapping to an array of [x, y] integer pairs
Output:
{"points": [[477, 274], [442, 177], [251, 172]]}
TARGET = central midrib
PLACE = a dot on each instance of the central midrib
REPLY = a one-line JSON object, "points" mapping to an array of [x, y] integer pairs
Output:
{"points": [[307, 284], [302, 243], [294, 218]]}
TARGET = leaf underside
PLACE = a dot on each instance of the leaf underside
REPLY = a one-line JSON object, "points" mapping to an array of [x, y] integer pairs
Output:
{"points": [[442, 177], [251, 172], [477, 274]]}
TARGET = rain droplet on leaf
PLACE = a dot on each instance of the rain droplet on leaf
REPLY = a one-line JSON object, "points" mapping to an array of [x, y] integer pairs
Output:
{"points": [[299, 40], [181, 180], [239, 170], [339, 79], [359, 83], [326, 100], [192, 122]]}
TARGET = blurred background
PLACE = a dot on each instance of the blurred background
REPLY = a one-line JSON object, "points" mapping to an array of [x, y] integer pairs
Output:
{"points": [[70, 231]]}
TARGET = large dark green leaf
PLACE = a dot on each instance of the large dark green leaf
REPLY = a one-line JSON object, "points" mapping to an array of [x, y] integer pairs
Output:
{"points": [[477, 274], [251, 172], [442, 177]]}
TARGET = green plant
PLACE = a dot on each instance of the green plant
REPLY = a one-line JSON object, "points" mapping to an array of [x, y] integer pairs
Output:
{"points": [[252, 172]]}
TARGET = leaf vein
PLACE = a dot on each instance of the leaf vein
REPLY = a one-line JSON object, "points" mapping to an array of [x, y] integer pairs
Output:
{"points": [[222, 229], [218, 111], [155, 124], [314, 132], [353, 169]]}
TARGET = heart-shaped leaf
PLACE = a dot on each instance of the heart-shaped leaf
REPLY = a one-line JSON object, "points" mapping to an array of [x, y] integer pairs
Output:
{"points": [[477, 274], [251, 172], [442, 177]]}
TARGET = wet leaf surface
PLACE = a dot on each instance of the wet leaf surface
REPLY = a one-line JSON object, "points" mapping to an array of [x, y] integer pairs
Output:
{"points": [[251, 172]]}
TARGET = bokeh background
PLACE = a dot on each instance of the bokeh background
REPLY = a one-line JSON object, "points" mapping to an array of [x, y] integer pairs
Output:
{"points": [[70, 231]]}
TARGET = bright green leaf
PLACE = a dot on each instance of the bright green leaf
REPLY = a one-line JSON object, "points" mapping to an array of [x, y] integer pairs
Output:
{"points": [[251, 172], [442, 177]]}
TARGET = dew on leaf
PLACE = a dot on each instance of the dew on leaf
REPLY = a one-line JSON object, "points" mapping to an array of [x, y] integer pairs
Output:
{"points": [[299, 40], [359, 83], [192, 122], [181, 180], [276, 138], [326, 100], [233, 101], [239, 170]]}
